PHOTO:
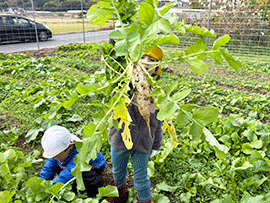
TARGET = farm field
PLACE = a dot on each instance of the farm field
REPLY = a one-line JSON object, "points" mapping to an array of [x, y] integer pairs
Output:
{"points": [[61, 25], [36, 92]]}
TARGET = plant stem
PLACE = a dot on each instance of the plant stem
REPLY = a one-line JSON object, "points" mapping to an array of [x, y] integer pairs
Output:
{"points": [[117, 14]]}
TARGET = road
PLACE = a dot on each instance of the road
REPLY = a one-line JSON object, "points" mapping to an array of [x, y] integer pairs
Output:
{"points": [[57, 40]]}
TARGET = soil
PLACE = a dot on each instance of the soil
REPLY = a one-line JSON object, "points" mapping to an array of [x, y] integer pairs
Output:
{"points": [[41, 52], [108, 176], [7, 121]]}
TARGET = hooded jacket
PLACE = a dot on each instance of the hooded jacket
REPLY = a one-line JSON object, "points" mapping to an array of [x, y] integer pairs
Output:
{"points": [[51, 167], [141, 139]]}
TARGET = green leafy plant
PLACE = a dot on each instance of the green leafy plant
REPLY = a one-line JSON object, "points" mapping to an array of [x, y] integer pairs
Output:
{"points": [[132, 41]]}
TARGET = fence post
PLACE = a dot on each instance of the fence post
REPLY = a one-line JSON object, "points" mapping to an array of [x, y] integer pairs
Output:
{"points": [[209, 14], [35, 23], [83, 22]]}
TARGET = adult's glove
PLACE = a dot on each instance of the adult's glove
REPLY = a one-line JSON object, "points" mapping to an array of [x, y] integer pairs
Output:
{"points": [[154, 152]]}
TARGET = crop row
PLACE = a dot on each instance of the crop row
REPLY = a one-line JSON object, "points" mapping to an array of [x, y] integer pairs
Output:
{"points": [[39, 93]]}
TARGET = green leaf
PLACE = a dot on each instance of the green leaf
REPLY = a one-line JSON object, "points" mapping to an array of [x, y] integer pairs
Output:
{"points": [[8, 154], [164, 9], [247, 149], [256, 144], [99, 13], [82, 89], [255, 155], [198, 46], [182, 119], [196, 131], [189, 107], [149, 17], [235, 63], [75, 118], [245, 166], [261, 181], [157, 92], [52, 113], [121, 48], [71, 101], [185, 197], [168, 148], [151, 169], [89, 129], [69, 196], [6, 196], [221, 41], [164, 187], [205, 116], [220, 150], [108, 191], [216, 56], [180, 95], [39, 103], [88, 149], [167, 110], [32, 134], [217, 201], [200, 31], [135, 55], [45, 124], [180, 29], [260, 166], [249, 134], [168, 39], [197, 65], [160, 198], [170, 88], [55, 189], [227, 199]]}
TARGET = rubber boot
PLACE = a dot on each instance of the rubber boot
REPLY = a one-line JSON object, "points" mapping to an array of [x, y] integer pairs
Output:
{"points": [[123, 194]]}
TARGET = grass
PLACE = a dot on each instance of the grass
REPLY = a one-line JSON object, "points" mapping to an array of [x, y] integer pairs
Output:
{"points": [[68, 25]]}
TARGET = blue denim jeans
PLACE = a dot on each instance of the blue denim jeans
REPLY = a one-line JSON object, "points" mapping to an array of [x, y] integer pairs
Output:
{"points": [[140, 162]]}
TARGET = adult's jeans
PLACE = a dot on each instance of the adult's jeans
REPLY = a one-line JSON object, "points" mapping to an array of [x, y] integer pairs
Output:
{"points": [[140, 162]]}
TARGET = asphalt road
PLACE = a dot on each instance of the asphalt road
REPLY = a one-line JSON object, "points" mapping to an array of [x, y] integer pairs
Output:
{"points": [[57, 40]]}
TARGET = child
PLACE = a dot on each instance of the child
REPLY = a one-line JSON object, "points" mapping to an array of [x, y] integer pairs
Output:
{"points": [[142, 144], [58, 146]]}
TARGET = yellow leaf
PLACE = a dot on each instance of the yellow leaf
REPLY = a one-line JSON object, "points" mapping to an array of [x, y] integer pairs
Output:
{"points": [[121, 111], [171, 129], [164, 126], [173, 135], [127, 137]]}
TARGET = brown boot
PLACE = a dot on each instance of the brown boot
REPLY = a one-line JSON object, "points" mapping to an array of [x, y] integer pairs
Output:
{"points": [[123, 194], [148, 201]]}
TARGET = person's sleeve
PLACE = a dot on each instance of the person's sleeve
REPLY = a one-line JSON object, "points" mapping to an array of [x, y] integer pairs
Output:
{"points": [[49, 169], [158, 136], [99, 162], [65, 175]]}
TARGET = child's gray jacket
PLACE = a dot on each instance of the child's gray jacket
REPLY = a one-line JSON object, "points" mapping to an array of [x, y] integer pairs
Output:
{"points": [[141, 139]]}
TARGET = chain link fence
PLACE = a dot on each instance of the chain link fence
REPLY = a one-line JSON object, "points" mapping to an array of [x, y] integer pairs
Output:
{"points": [[246, 21]]}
